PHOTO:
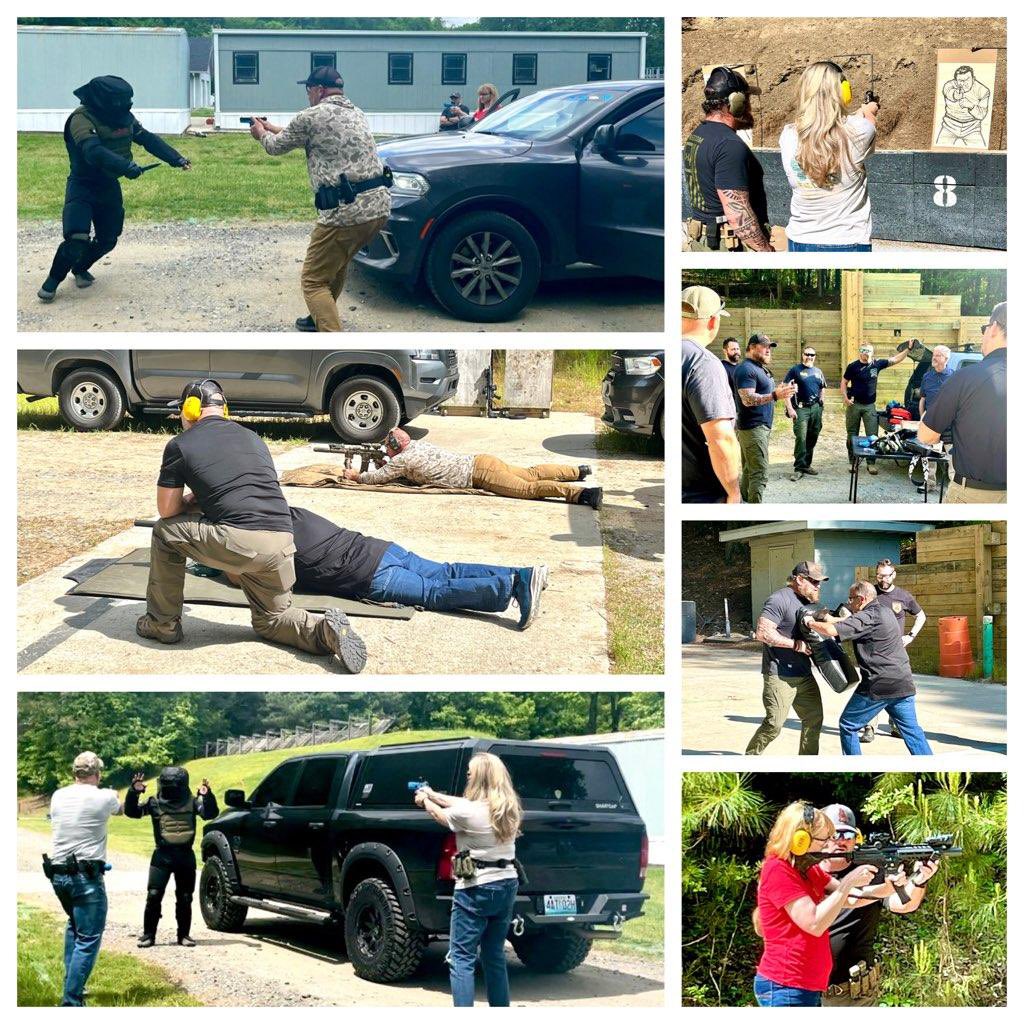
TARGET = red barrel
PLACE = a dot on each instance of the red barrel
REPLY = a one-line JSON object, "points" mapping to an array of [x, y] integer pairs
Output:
{"points": [[955, 657]]}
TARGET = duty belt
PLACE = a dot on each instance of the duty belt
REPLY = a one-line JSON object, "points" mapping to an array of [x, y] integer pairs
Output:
{"points": [[863, 984], [809, 405], [330, 197], [966, 481], [73, 866]]}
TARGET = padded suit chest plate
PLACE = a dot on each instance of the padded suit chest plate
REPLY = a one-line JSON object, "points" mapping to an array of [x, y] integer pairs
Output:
{"points": [[175, 826], [82, 125]]}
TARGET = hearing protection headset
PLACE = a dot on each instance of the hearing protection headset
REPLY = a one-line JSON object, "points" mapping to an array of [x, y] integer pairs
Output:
{"points": [[726, 84], [802, 838], [845, 89], [192, 405]]}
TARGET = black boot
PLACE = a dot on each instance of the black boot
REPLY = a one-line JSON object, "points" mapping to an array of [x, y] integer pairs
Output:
{"points": [[48, 291], [145, 941], [83, 279], [591, 496], [305, 323], [186, 940], [584, 471]]}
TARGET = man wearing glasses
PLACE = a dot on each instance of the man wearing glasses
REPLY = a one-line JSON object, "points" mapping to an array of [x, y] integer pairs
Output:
{"points": [[786, 663], [806, 410], [972, 407], [859, 388]]}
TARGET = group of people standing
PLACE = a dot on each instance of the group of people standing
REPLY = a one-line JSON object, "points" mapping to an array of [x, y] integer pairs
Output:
{"points": [[455, 112]]}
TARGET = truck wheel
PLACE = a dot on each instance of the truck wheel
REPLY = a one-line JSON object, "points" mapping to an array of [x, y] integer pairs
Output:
{"points": [[484, 267], [381, 944], [363, 410], [551, 952], [215, 892], [91, 399]]}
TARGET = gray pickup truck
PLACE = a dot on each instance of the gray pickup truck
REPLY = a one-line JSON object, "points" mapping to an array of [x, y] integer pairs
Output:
{"points": [[366, 393]]}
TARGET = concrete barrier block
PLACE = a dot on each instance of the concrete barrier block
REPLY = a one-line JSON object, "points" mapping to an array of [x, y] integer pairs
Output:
{"points": [[891, 168], [929, 166], [951, 224], [892, 212], [990, 217], [990, 169]]}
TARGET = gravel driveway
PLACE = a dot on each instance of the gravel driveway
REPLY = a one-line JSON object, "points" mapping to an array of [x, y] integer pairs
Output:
{"points": [[240, 277]]}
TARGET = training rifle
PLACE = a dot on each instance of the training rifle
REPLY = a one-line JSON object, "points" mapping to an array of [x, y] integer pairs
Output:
{"points": [[371, 456]]}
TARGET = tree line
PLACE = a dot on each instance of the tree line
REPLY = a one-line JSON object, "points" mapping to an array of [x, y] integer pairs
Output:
{"points": [[140, 731]]}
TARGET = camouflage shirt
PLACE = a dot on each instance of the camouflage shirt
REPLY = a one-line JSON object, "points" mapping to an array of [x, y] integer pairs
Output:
{"points": [[424, 463], [337, 139]]}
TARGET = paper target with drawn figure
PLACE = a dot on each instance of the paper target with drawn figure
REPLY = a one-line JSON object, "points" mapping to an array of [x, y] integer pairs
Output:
{"points": [[965, 84], [745, 71]]}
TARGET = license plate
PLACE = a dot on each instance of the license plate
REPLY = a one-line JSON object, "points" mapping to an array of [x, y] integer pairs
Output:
{"points": [[559, 905]]}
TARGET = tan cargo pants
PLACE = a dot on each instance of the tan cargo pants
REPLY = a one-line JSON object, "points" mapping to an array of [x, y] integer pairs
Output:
{"points": [[961, 494], [262, 559], [546, 481], [330, 251]]}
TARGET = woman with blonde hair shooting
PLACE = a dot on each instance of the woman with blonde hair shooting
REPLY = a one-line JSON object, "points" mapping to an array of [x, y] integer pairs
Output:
{"points": [[824, 153], [485, 821], [797, 901]]}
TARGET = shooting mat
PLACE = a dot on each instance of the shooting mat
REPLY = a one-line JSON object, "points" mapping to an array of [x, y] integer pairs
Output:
{"points": [[127, 578], [326, 475]]}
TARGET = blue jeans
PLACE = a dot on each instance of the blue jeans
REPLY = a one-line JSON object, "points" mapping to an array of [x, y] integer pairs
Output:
{"points": [[481, 915], [768, 993], [861, 710], [404, 578], [811, 247], [85, 902]]}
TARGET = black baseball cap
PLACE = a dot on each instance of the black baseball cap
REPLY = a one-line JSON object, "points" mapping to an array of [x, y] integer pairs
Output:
{"points": [[328, 78], [722, 81], [811, 570], [455, 95], [762, 339], [209, 393]]}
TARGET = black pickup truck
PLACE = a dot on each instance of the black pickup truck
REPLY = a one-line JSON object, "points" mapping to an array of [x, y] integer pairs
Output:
{"points": [[336, 838]]}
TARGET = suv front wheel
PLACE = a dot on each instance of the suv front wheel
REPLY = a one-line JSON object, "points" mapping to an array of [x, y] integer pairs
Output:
{"points": [[215, 892], [550, 951], [381, 944], [484, 267]]}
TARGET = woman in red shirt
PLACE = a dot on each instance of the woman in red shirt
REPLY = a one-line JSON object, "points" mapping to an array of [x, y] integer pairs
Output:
{"points": [[797, 900], [487, 96]]}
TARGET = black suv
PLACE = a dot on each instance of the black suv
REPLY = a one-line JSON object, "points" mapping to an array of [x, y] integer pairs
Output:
{"points": [[337, 838], [566, 176], [634, 392]]}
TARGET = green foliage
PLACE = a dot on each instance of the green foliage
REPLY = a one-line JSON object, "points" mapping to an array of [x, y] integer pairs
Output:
{"points": [[950, 952]]}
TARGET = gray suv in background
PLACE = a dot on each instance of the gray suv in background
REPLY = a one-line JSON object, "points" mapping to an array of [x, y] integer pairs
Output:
{"points": [[366, 393], [633, 392]]}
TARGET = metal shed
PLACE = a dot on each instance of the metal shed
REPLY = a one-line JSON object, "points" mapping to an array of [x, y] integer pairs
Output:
{"points": [[838, 545], [55, 60], [401, 80]]}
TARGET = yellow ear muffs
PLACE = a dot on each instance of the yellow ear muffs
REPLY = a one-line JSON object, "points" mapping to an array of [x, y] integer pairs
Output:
{"points": [[846, 93], [737, 101], [802, 839], [858, 838], [191, 409]]}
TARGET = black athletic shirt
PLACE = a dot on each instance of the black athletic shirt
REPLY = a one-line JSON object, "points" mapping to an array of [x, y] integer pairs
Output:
{"points": [[878, 645], [852, 934], [783, 608], [899, 602], [230, 471], [330, 560], [715, 157], [863, 380]]}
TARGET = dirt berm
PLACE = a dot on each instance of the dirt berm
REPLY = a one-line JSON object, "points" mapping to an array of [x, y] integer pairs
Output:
{"points": [[904, 67]]}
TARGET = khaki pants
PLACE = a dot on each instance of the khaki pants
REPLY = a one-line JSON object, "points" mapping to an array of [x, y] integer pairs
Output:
{"points": [[330, 251], [960, 494], [860, 412], [781, 694], [261, 558], [548, 481], [754, 453]]}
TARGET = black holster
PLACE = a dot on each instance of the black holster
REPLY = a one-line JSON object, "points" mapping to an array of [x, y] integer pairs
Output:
{"points": [[344, 192]]}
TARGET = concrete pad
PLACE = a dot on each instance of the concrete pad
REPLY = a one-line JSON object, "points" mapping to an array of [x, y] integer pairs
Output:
{"points": [[62, 634], [722, 708]]}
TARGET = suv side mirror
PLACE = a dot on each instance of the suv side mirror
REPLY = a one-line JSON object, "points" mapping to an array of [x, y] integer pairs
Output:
{"points": [[236, 798], [604, 140]]}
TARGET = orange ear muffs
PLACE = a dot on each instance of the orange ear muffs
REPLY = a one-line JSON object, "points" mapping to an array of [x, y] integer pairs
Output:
{"points": [[191, 409]]}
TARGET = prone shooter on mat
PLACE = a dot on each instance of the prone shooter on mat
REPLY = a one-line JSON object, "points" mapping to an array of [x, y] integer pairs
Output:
{"points": [[174, 811]]}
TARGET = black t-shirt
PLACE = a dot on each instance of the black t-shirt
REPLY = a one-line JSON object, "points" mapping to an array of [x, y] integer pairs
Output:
{"points": [[863, 380], [230, 471], [783, 608], [706, 396], [852, 934], [878, 645], [899, 602], [810, 382], [972, 404], [715, 157], [752, 375], [331, 560]]}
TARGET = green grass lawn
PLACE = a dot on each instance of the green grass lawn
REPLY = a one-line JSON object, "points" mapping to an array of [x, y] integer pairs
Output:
{"points": [[645, 936], [232, 178], [117, 980]]}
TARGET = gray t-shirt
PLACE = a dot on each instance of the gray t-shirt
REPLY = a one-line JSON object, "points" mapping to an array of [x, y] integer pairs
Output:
{"points": [[878, 644], [784, 608], [707, 396], [470, 820], [78, 818]]}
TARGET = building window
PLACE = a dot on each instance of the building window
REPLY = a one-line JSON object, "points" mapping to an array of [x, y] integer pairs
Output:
{"points": [[399, 69], [322, 60], [453, 69], [599, 67], [245, 68], [524, 69]]}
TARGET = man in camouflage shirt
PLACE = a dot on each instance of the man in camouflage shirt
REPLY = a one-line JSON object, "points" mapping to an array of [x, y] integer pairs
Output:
{"points": [[337, 139], [422, 463]]}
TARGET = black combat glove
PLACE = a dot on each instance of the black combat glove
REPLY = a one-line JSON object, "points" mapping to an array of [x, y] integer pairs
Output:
{"points": [[133, 171], [184, 163]]}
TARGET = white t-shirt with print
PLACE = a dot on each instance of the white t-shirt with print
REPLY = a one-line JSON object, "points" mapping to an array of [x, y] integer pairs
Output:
{"points": [[470, 820]]}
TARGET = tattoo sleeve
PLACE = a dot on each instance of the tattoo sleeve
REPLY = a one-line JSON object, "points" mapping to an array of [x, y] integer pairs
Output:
{"points": [[768, 633], [750, 398], [743, 220]]}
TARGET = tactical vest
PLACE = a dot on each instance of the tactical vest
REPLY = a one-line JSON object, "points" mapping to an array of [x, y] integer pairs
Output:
{"points": [[83, 123], [174, 826]]}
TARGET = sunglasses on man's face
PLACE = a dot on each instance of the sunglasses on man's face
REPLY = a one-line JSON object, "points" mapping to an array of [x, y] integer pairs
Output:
{"points": [[810, 355]]}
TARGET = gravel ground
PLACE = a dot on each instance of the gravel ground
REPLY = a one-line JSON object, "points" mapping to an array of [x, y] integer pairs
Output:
{"points": [[241, 277]]}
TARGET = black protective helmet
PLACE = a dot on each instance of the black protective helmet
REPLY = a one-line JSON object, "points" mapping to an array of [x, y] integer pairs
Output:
{"points": [[172, 782], [109, 98]]}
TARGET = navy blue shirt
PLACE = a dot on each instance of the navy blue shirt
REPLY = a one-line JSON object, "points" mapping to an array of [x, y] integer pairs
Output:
{"points": [[932, 383], [810, 382], [750, 375], [863, 380]]}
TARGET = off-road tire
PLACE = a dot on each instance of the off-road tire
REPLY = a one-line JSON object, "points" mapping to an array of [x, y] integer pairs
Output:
{"points": [[215, 888], [363, 410], [551, 952], [91, 399], [449, 241], [398, 946]]}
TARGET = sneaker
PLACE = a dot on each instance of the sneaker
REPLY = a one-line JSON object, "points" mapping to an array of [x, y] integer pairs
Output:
{"points": [[145, 941], [591, 496], [795, 475], [48, 290], [526, 594], [809, 472], [867, 734], [186, 940], [584, 471], [873, 470], [345, 643], [83, 279], [305, 323], [545, 572], [894, 731], [147, 629]]}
